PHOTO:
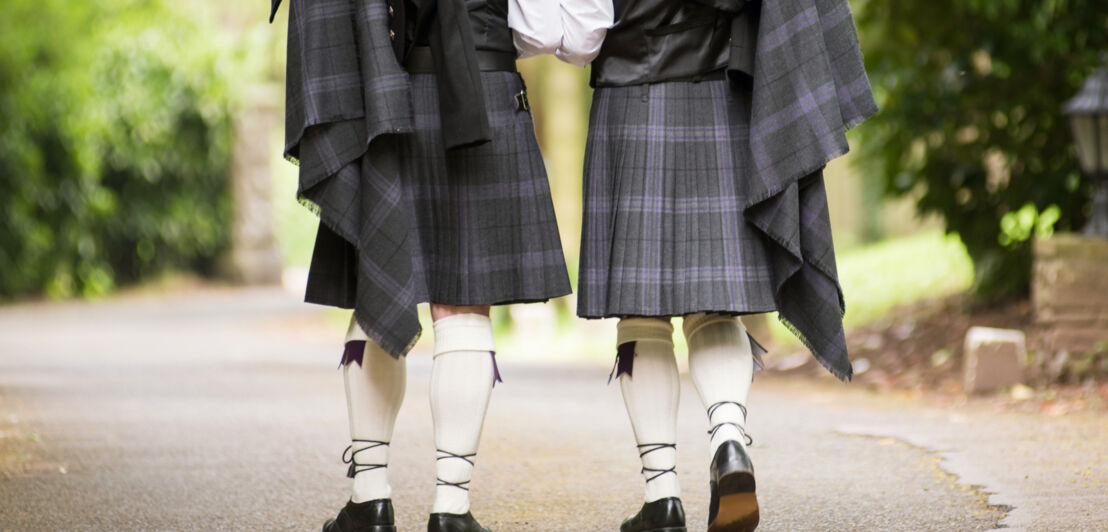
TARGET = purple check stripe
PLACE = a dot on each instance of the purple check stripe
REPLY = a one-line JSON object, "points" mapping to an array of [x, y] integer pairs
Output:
{"points": [[695, 202], [411, 221]]}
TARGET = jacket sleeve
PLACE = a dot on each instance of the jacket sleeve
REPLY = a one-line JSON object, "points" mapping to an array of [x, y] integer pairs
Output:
{"points": [[744, 42]]}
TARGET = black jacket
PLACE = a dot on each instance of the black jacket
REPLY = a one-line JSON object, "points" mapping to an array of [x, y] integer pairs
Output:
{"points": [[488, 22], [668, 40]]}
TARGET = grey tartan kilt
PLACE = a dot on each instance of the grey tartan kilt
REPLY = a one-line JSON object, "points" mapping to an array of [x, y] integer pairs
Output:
{"points": [[663, 231], [483, 216]]}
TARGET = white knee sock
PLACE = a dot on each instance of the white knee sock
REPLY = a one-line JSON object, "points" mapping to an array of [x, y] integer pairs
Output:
{"points": [[374, 392], [461, 384], [651, 393], [721, 364]]}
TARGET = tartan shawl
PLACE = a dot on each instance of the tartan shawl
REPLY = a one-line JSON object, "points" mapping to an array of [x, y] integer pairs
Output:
{"points": [[346, 98], [464, 117], [808, 87]]}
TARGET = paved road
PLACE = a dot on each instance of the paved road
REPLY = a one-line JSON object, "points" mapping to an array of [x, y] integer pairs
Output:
{"points": [[223, 410]]}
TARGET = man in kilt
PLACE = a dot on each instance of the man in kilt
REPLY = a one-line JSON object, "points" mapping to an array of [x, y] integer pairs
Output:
{"points": [[711, 123], [416, 148]]}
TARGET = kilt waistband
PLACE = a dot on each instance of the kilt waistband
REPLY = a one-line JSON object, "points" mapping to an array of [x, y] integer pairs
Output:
{"points": [[420, 62]]}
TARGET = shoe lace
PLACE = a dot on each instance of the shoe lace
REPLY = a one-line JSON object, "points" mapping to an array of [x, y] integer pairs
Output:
{"points": [[446, 455], [350, 456], [712, 410], [648, 448]]}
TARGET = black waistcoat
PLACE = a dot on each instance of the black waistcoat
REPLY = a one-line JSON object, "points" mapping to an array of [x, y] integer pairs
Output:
{"points": [[488, 20], [665, 40]]}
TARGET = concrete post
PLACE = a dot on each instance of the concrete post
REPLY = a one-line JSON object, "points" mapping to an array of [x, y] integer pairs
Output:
{"points": [[253, 258]]}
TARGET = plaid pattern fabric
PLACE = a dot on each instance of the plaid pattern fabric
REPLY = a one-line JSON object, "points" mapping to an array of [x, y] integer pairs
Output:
{"points": [[350, 124], [483, 216], [807, 87], [663, 231]]}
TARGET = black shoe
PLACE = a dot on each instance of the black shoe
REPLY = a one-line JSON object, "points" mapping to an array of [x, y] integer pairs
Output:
{"points": [[662, 515], [733, 506], [369, 516], [444, 522]]}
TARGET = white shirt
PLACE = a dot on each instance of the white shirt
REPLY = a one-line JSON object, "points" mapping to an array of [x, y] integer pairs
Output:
{"points": [[573, 30]]}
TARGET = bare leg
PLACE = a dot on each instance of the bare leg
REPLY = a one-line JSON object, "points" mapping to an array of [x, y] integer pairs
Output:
{"points": [[442, 311]]}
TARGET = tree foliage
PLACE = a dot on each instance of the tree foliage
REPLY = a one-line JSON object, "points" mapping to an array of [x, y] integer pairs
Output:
{"points": [[114, 145], [971, 125]]}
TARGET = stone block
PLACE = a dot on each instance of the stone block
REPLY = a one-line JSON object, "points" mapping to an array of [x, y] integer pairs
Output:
{"points": [[1070, 293], [993, 359]]}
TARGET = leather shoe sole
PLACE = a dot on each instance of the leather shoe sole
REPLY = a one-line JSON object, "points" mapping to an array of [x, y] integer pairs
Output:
{"points": [[737, 503]]}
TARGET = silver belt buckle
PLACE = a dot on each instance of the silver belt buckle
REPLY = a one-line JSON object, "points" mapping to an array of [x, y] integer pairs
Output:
{"points": [[522, 104]]}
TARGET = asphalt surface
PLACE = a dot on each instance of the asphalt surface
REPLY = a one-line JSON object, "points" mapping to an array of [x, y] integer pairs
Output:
{"points": [[223, 410]]}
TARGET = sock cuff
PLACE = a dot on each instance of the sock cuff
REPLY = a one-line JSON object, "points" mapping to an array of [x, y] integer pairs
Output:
{"points": [[463, 332], [644, 330], [695, 323]]}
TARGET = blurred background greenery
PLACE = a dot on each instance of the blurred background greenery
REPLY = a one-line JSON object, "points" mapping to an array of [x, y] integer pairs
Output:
{"points": [[970, 126], [114, 140], [117, 134]]}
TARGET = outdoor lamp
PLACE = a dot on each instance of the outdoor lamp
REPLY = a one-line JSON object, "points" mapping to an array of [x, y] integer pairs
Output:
{"points": [[1088, 114]]}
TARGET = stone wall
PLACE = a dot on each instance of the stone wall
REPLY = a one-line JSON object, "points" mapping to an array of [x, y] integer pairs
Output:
{"points": [[1069, 293]]}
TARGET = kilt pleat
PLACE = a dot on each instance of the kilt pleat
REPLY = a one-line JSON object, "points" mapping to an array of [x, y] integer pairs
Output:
{"points": [[663, 231], [483, 216], [403, 221]]}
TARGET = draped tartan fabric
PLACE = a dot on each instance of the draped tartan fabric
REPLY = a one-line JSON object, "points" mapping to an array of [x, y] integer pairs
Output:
{"points": [[403, 220], [709, 196], [808, 87]]}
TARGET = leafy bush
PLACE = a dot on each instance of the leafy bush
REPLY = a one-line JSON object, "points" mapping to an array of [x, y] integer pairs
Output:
{"points": [[971, 94], [114, 145]]}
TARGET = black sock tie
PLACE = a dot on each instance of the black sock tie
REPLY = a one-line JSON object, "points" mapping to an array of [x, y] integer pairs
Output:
{"points": [[464, 485], [349, 456], [712, 409], [648, 448]]}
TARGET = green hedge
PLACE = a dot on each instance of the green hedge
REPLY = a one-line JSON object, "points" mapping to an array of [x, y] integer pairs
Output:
{"points": [[971, 123], [114, 145]]}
